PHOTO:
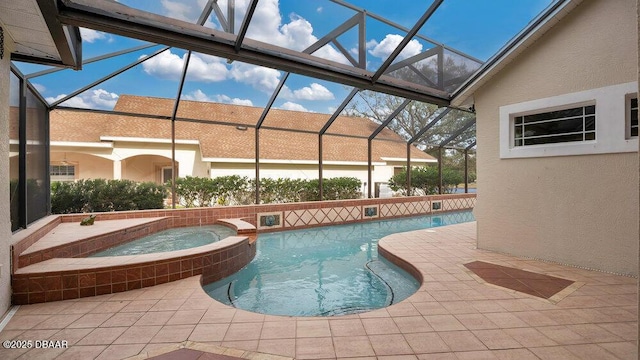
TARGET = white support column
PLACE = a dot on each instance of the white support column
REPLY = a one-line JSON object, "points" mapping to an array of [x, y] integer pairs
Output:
{"points": [[117, 169]]}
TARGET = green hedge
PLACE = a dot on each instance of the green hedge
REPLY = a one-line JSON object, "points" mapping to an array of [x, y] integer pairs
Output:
{"points": [[425, 181], [99, 195], [237, 190]]}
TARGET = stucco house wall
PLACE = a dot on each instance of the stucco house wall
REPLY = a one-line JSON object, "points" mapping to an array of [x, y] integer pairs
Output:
{"points": [[580, 210]]}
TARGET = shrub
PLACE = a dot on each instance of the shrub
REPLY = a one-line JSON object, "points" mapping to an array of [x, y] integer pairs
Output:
{"points": [[100, 195], [425, 181], [238, 190]]}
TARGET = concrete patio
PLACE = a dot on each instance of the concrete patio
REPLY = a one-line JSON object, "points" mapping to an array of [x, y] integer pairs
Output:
{"points": [[454, 315]]}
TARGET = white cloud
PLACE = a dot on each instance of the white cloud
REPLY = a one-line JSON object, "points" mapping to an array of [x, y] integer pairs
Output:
{"points": [[293, 106], [90, 99], [319, 9], [41, 88], [267, 26], [314, 91], [261, 78], [234, 101], [91, 36], [384, 48], [188, 10], [199, 95], [178, 10], [205, 68]]}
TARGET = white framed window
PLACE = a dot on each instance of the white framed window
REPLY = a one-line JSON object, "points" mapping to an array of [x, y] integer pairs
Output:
{"points": [[632, 116], [62, 172], [575, 123], [580, 123]]}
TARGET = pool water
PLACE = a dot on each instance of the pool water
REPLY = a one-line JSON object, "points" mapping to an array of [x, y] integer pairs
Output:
{"points": [[170, 240], [325, 271]]}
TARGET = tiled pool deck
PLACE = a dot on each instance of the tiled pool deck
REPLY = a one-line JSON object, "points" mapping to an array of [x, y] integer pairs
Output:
{"points": [[454, 315]]}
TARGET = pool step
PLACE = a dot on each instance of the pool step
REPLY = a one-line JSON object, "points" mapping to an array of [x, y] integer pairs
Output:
{"points": [[241, 227]]}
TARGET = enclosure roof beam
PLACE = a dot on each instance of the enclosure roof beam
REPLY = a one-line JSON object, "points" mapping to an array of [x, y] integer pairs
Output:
{"points": [[93, 59], [429, 126], [457, 133], [333, 35], [272, 99], [336, 113], [245, 25], [405, 41], [389, 119], [206, 11], [414, 59], [471, 145], [119, 19], [105, 78], [221, 17], [403, 28]]}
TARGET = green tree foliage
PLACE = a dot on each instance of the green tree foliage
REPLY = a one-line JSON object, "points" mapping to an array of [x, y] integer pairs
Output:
{"points": [[99, 195], [454, 159], [414, 118], [425, 181]]}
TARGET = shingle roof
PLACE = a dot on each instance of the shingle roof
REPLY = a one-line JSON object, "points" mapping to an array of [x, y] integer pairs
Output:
{"points": [[224, 141]]}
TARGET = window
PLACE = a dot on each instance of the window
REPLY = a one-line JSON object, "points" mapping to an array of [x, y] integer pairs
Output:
{"points": [[567, 125], [62, 172], [167, 174], [633, 117]]}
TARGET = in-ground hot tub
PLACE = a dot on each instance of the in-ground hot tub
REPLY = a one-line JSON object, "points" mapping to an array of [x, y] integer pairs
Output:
{"points": [[57, 268], [170, 240]]}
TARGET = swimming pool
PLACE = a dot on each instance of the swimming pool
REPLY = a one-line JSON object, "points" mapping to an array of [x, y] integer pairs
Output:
{"points": [[170, 240], [325, 271]]}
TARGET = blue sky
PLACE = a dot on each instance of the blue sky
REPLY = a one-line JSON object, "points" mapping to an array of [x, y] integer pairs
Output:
{"points": [[476, 27]]}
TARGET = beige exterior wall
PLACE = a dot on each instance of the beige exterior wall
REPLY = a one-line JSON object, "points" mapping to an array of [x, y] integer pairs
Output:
{"points": [[187, 155], [5, 217], [579, 210], [86, 166], [137, 161]]}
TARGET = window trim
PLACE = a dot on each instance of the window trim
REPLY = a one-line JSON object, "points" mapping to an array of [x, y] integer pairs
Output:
{"points": [[584, 132], [62, 177], [162, 169], [610, 124], [627, 104]]}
